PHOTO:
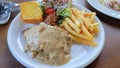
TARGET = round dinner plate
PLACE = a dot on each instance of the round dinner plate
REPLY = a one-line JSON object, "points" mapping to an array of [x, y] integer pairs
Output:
{"points": [[82, 55], [107, 11]]}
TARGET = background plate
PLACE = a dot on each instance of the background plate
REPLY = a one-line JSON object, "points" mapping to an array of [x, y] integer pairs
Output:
{"points": [[98, 6]]}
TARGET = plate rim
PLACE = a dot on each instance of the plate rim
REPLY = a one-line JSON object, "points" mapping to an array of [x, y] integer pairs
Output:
{"points": [[106, 13], [84, 64]]}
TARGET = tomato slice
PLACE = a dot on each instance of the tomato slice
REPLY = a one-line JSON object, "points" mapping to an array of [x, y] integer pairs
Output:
{"points": [[49, 11]]}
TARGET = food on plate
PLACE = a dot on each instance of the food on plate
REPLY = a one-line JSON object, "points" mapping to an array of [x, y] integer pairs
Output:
{"points": [[79, 23], [81, 26], [55, 11], [31, 12], [114, 4], [48, 44], [50, 41]]}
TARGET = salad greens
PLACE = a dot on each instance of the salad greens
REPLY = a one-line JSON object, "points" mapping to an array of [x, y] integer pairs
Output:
{"points": [[61, 10], [62, 15]]}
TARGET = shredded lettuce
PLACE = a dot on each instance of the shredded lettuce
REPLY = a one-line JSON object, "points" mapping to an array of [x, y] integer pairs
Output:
{"points": [[65, 13], [62, 15]]}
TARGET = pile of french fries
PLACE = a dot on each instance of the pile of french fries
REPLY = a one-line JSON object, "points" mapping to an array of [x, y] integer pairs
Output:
{"points": [[81, 26]]}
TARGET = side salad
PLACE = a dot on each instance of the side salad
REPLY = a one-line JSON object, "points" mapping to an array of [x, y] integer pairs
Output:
{"points": [[55, 11]]}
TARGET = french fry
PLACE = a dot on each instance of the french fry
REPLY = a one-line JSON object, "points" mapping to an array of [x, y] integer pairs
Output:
{"points": [[79, 16], [93, 16], [84, 19], [74, 19], [82, 41], [72, 25], [86, 22], [95, 25], [96, 29], [85, 31], [81, 26], [88, 15], [75, 33], [76, 15]]}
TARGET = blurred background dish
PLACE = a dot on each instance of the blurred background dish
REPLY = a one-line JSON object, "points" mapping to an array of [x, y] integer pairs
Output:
{"points": [[103, 9]]}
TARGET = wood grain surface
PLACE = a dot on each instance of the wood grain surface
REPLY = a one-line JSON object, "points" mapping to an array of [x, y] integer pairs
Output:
{"points": [[109, 57]]}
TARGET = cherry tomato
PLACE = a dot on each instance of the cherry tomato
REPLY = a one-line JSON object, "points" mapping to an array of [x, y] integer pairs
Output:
{"points": [[49, 11]]}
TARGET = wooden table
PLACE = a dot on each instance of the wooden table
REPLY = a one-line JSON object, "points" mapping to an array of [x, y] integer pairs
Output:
{"points": [[109, 57]]}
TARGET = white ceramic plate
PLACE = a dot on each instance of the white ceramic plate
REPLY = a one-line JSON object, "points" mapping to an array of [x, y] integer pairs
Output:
{"points": [[82, 55], [98, 6]]}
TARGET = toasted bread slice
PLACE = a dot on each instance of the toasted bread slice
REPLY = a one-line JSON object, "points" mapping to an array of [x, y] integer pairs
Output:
{"points": [[31, 12]]}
